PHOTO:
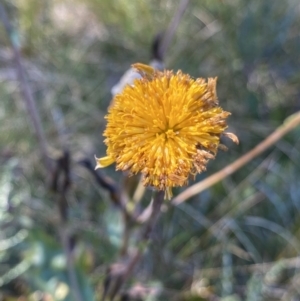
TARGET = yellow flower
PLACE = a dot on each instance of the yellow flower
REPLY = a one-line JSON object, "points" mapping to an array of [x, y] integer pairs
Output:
{"points": [[166, 126]]}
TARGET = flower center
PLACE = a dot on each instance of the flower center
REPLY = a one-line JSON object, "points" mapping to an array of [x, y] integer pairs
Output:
{"points": [[170, 134]]}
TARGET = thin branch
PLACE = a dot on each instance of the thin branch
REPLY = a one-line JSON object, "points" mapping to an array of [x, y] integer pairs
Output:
{"points": [[290, 123], [157, 202], [66, 244], [286, 263], [118, 273], [170, 32], [24, 87], [146, 232], [60, 185], [116, 195]]}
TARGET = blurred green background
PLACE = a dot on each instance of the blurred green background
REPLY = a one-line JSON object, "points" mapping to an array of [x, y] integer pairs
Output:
{"points": [[238, 240]]}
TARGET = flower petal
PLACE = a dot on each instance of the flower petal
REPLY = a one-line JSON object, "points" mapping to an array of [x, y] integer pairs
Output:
{"points": [[104, 161]]}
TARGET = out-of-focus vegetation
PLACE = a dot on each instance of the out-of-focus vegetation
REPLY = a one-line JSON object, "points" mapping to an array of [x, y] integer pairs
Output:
{"points": [[239, 240]]}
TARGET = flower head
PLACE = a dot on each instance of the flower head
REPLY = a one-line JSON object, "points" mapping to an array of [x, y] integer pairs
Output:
{"points": [[166, 126]]}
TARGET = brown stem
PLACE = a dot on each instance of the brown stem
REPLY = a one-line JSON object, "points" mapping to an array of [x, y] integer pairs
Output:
{"points": [[125, 237], [66, 244], [61, 183], [25, 89], [119, 273], [146, 232], [289, 124], [117, 196]]}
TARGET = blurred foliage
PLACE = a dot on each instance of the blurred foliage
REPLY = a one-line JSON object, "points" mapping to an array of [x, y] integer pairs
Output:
{"points": [[238, 240]]}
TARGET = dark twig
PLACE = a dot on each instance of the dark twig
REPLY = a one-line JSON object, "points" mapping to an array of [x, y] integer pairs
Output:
{"points": [[108, 184], [67, 246], [118, 273], [104, 181], [170, 32], [146, 233], [61, 182], [60, 185], [118, 198], [25, 89], [157, 202]]}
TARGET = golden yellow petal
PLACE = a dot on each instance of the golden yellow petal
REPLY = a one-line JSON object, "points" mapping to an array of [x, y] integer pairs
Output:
{"points": [[144, 70], [104, 161]]}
